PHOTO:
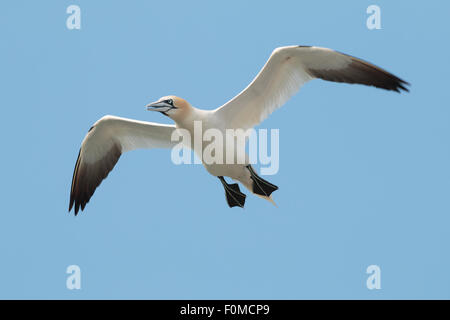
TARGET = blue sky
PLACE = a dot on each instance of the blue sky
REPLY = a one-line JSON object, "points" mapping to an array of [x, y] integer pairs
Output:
{"points": [[364, 174]]}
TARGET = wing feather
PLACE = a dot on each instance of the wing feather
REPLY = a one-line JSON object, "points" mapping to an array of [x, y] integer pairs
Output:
{"points": [[287, 69], [102, 147]]}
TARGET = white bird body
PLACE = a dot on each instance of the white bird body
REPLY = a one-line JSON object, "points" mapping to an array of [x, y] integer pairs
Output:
{"points": [[287, 69], [208, 119]]}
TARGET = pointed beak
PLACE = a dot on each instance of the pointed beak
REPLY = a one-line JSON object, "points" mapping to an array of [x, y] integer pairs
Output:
{"points": [[160, 106]]}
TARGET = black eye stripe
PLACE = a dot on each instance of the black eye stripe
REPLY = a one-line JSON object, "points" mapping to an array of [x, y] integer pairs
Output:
{"points": [[170, 101]]}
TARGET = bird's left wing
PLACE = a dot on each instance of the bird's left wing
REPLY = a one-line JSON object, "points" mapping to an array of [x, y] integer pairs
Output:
{"points": [[102, 147], [287, 69]]}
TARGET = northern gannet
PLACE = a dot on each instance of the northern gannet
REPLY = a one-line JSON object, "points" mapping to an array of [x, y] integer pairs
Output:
{"points": [[287, 69]]}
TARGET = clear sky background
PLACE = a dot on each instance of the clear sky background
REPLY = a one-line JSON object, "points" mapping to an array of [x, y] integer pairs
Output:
{"points": [[364, 174]]}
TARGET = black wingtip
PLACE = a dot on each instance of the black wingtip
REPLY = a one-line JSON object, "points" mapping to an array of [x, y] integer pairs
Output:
{"points": [[402, 85], [397, 84], [73, 205]]}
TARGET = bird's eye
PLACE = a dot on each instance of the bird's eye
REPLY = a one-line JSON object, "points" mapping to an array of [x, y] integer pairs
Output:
{"points": [[170, 101]]}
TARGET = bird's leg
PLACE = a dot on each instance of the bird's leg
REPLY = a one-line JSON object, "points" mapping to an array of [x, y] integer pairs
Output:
{"points": [[234, 195], [261, 186]]}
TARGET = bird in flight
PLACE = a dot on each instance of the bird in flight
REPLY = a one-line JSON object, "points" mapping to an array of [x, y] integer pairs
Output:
{"points": [[287, 69]]}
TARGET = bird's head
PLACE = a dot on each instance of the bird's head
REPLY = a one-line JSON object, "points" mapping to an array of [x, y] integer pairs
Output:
{"points": [[174, 107]]}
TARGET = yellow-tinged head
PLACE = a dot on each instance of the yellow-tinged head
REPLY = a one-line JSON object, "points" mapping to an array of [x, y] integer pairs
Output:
{"points": [[174, 107]]}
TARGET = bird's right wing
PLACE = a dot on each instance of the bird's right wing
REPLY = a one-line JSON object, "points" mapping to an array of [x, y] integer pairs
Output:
{"points": [[102, 147], [287, 69]]}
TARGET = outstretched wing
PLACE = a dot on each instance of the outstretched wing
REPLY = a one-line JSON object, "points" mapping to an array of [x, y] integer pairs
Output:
{"points": [[287, 69], [102, 147]]}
